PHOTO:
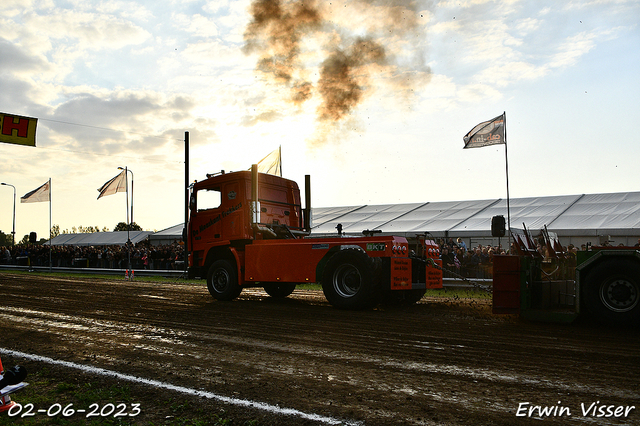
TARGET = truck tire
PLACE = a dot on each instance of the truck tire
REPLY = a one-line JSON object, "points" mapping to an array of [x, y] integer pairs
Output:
{"points": [[222, 281], [349, 280], [279, 290], [612, 291]]}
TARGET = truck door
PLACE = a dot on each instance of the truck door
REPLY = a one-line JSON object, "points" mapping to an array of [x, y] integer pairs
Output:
{"points": [[205, 225], [233, 213]]}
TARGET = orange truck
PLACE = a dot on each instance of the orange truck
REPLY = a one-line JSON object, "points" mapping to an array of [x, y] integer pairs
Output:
{"points": [[254, 232]]}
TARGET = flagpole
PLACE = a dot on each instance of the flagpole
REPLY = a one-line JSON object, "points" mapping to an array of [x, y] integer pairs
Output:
{"points": [[126, 184], [506, 161], [185, 231], [50, 225]]}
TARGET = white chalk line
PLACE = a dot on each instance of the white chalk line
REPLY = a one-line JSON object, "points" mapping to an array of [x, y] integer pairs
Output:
{"points": [[168, 386]]}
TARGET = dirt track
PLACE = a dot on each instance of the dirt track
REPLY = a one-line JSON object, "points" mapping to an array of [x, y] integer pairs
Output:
{"points": [[433, 363]]}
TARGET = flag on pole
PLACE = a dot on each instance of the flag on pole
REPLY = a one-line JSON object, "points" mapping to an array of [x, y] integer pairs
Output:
{"points": [[486, 133], [42, 193], [117, 184], [272, 163], [17, 129]]}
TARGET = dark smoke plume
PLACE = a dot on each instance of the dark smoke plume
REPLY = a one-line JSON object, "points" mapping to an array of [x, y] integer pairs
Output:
{"points": [[342, 78], [278, 28]]}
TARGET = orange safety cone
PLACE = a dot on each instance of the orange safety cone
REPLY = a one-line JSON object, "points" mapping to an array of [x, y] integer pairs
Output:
{"points": [[126, 274], [132, 272], [5, 400]]}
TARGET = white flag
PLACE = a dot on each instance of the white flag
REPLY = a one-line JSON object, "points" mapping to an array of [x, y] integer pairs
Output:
{"points": [[272, 163], [486, 133], [117, 184], [42, 193]]}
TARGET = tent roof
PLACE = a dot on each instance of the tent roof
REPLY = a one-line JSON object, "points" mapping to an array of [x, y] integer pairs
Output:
{"points": [[170, 232], [100, 238], [613, 213]]}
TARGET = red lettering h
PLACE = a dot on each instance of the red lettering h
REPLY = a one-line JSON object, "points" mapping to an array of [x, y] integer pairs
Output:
{"points": [[22, 126]]}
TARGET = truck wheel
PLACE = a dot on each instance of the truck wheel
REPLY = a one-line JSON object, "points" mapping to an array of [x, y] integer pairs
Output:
{"points": [[612, 291], [348, 281], [279, 290], [222, 280]]}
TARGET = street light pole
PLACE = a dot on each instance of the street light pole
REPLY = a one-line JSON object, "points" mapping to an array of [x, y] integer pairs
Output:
{"points": [[13, 232]]}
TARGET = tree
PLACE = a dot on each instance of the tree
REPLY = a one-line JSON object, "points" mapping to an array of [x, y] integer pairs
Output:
{"points": [[55, 229], [5, 239], [122, 226]]}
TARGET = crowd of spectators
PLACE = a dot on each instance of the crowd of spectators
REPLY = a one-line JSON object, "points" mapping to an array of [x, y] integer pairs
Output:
{"points": [[142, 256], [458, 260]]}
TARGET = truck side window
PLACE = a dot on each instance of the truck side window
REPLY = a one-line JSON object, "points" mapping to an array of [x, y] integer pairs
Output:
{"points": [[208, 199]]}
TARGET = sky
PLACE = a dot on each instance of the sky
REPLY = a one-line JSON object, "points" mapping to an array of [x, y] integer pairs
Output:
{"points": [[371, 98]]}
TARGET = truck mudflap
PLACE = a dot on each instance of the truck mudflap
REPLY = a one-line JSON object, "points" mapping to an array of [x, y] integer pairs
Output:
{"points": [[401, 273], [413, 273]]}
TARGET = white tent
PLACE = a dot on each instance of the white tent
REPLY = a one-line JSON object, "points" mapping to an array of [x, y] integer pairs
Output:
{"points": [[100, 238], [574, 218], [167, 236]]}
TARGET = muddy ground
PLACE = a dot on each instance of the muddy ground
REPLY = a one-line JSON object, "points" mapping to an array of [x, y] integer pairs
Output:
{"points": [[440, 362]]}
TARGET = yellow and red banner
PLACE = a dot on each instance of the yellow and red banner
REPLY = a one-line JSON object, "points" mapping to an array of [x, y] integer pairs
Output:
{"points": [[17, 129]]}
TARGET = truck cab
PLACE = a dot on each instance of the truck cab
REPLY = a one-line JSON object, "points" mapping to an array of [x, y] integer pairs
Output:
{"points": [[222, 213]]}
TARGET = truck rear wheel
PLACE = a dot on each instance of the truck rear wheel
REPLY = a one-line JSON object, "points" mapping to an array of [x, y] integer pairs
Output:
{"points": [[612, 291], [222, 281], [348, 281], [279, 290]]}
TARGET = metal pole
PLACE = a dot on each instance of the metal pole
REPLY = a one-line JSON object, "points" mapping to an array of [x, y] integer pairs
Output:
{"points": [[129, 170], [126, 184], [13, 232], [50, 225], [506, 160], [132, 221], [186, 203]]}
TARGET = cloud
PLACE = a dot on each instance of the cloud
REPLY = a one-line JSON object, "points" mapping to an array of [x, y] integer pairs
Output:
{"points": [[16, 60], [90, 31], [267, 117], [574, 47], [124, 121], [198, 25]]}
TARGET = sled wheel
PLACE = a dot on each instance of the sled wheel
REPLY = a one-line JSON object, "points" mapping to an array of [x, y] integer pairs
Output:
{"points": [[612, 291]]}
